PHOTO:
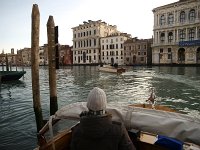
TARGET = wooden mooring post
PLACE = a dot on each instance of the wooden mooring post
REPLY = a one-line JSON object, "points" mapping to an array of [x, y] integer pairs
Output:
{"points": [[35, 66], [7, 65], [52, 65], [57, 47]]}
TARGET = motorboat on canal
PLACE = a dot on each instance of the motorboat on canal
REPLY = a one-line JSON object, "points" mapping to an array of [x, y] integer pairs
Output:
{"points": [[148, 127], [6, 76], [111, 69]]}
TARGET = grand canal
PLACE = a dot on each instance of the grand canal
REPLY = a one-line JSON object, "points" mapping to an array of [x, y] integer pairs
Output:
{"points": [[176, 87]]}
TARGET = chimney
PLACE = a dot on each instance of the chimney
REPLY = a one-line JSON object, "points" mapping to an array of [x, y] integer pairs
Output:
{"points": [[12, 50]]}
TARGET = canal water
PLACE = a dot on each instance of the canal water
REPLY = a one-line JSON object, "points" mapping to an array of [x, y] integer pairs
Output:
{"points": [[175, 87]]}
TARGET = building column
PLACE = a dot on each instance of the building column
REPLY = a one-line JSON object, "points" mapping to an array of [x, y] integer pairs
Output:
{"points": [[197, 13], [186, 32], [174, 17], [166, 36], [157, 21], [196, 36], [97, 42], [156, 37], [177, 33]]}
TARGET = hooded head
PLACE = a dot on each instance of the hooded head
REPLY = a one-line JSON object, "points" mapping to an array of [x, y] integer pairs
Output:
{"points": [[96, 100]]}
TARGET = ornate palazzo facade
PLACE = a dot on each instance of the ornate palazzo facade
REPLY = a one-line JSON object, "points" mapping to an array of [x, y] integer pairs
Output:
{"points": [[137, 51], [177, 33], [86, 41], [112, 48]]}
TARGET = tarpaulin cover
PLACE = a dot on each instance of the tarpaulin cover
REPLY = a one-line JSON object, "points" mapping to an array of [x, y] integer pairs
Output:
{"points": [[175, 125]]}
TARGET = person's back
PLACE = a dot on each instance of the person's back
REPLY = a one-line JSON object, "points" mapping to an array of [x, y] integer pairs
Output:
{"points": [[96, 130]]}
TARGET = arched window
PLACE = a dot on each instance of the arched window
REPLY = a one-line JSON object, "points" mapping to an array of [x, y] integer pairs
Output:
{"points": [[79, 44], [182, 16], [192, 15], [162, 20], [181, 55], [90, 41], [191, 34], [170, 37], [170, 18], [84, 43], [162, 37], [182, 35]]}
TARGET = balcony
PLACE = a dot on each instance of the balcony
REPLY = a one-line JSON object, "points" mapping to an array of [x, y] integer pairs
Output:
{"points": [[165, 44], [177, 24]]}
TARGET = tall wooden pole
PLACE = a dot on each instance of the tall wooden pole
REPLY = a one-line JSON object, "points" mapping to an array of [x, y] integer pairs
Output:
{"points": [[35, 66], [57, 50], [52, 65], [7, 65]]}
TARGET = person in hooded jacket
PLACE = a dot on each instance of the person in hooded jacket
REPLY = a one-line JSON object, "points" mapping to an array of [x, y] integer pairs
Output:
{"points": [[96, 131]]}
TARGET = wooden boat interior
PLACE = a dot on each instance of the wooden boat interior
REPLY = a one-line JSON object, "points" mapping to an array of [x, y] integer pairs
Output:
{"points": [[144, 141], [61, 141]]}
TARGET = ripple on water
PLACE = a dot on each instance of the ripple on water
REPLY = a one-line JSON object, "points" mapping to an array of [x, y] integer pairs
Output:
{"points": [[175, 87]]}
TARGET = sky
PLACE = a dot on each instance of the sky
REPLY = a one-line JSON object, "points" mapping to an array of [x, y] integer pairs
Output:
{"points": [[130, 16]]}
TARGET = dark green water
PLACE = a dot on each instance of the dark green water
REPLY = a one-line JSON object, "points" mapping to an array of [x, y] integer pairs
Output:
{"points": [[176, 87]]}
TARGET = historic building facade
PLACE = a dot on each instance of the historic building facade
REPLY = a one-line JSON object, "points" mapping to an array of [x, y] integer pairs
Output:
{"points": [[138, 51], [177, 33], [24, 56], [112, 48], [65, 55], [86, 41], [11, 58]]}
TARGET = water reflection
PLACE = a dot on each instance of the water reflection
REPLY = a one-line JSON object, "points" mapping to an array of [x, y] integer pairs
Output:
{"points": [[7, 88], [176, 87], [13, 84], [8, 92]]}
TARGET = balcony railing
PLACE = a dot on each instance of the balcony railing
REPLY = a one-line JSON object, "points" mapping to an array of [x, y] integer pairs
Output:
{"points": [[165, 43], [177, 24]]}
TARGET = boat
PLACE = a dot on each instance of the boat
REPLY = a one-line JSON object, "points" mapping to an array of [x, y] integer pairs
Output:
{"points": [[111, 69], [11, 75], [145, 126]]}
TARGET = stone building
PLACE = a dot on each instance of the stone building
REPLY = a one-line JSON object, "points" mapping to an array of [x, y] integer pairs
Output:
{"points": [[138, 51], [43, 57], [24, 56], [65, 55], [177, 33], [11, 58], [112, 48], [45, 54], [86, 41]]}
